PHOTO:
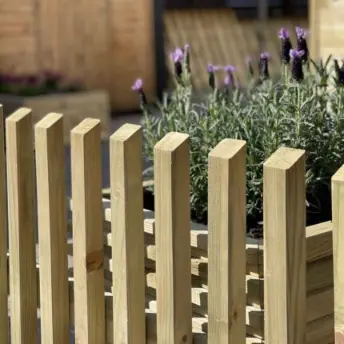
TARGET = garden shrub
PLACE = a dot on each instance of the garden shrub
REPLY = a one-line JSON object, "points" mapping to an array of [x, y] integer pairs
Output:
{"points": [[299, 109]]}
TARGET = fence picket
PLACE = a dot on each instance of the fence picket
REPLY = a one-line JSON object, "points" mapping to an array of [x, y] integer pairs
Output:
{"points": [[173, 252], [88, 245], [128, 257], [338, 247], [227, 243], [3, 237], [21, 224], [285, 247], [52, 228]]}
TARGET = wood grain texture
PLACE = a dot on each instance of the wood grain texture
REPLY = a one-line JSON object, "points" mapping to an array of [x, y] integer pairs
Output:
{"points": [[128, 255], [172, 213], [338, 237], [226, 242], [131, 50], [21, 226], [88, 233], [52, 228], [318, 237], [285, 247], [3, 237]]}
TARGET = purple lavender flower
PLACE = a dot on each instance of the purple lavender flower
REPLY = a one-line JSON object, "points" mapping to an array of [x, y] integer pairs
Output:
{"points": [[178, 57], [296, 64], [264, 66], [212, 68], [229, 79], [294, 53], [283, 33], [229, 69], [286, 45], [211, 71], [138, 87], [301, 35]]}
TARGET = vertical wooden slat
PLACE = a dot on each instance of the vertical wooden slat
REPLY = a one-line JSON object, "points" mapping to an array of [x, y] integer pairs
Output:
{"points": [[21, 222], [3, 237], [227, 243], [338, 252], [88, 246], [172, 216], [285, 247], [127, 236], [52, 227]]}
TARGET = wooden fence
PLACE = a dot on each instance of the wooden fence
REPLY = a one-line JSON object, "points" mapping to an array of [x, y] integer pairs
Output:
{"points": [[143, 259]]}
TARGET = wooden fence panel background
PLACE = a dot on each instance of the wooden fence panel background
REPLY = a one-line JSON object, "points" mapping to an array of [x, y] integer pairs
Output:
{"points": [[326, 27], [103, 43]]}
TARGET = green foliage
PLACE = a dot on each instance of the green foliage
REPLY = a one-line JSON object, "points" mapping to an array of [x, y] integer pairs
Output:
{"points": [[307, 115]]}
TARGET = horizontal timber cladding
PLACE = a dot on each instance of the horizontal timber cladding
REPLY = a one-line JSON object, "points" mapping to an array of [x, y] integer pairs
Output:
{"points": [[105, 44], [326, 25]]}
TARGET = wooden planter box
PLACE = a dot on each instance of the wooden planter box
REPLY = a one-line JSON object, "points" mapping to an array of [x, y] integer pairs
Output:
{"points": [[74, 106], [319, 281]]}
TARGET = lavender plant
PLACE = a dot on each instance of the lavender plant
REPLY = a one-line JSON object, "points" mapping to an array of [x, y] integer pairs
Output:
{"points": [[297, 110]]}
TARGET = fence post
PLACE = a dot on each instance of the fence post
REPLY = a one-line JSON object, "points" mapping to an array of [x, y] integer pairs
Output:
{"points": [[21, 223], [52, 228], [88, 237], [3, 237], [128, 264], [338, 254], [285, 247], [173, 252], [227, 243]]}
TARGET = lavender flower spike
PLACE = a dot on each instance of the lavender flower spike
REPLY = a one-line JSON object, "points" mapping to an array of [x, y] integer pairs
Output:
{"points": [[296, 66], [286, 45], [302, 42], [229, 80], [296, 53], [283, 34], [212, 68], [301, 33], [264, 66], [177, 55], [211, 71], [137, 86], [229, 69], [265, 56]]}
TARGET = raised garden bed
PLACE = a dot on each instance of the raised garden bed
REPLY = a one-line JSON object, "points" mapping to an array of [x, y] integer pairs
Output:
{"points": [[319, 280], [49, 91], [75, 107]]}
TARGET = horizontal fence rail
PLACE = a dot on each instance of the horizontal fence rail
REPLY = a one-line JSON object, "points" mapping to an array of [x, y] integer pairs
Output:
{"points": [[117, 273]]}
